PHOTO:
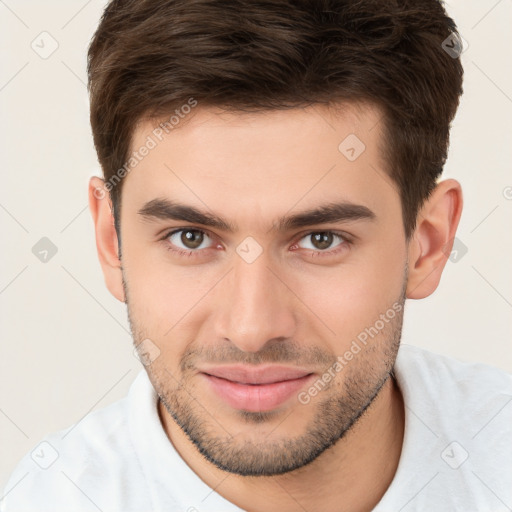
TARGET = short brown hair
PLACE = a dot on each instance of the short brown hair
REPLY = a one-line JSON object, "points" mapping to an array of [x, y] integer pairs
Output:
{"points": [[149, 57]]}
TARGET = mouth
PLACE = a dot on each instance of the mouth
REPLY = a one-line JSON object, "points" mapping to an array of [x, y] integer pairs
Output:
{"points": [[256, 389]]}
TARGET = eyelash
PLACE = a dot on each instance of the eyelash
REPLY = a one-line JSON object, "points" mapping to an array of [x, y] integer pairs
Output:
{"points": [[346, 243]]}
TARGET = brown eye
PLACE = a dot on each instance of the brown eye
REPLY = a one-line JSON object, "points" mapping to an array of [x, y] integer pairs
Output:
{"points": [[189, 239], [321, 240]]}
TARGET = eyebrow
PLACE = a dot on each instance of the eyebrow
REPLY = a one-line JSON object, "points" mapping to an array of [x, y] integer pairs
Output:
{"points": [[165, 209]]}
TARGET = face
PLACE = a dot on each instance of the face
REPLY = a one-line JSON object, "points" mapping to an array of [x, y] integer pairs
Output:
{"points": [[264, 267]]}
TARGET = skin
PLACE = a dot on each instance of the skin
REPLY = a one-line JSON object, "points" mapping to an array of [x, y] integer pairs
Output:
{"points": [[294, 303]]}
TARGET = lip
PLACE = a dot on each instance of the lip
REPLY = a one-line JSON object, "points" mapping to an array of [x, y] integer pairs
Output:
{"points": [[256, 389]]}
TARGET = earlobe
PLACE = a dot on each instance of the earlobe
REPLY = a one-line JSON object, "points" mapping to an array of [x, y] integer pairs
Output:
{"points": [[432, 240], [106, 237]]}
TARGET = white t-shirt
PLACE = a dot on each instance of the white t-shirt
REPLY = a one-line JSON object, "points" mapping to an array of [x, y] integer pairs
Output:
{"points": [[456, 456]]}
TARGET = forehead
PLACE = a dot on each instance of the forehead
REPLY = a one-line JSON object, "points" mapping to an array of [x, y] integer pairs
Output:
{"points": [[255, 166]]}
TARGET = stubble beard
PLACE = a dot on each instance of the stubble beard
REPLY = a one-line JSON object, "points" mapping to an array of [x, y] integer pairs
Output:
{"points": [[335, 415]]}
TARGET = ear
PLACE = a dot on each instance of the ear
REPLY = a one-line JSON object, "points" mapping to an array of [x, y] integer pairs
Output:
{"points": [[106, 237], [432, 241]]}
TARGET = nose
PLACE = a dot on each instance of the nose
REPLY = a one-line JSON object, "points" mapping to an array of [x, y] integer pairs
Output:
{"points": [[256, 307]]}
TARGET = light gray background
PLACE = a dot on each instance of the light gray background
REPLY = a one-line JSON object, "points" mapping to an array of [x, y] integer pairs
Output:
{"points": [[66, 348]]}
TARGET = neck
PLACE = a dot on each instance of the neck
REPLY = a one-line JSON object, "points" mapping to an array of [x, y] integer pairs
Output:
{"points": [[356, 471]]}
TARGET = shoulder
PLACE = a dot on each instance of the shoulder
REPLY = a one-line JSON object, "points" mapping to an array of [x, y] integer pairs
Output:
{"points": [[81, 466], [458, 438], [454, 395], [417, 366]]}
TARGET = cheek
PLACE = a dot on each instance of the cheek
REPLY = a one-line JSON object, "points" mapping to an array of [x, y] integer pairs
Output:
{"points": [[157, 313], [166, 301], [352, 296]]}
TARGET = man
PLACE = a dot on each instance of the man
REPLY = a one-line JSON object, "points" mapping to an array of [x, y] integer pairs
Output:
{"points": [[270, 200]]}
